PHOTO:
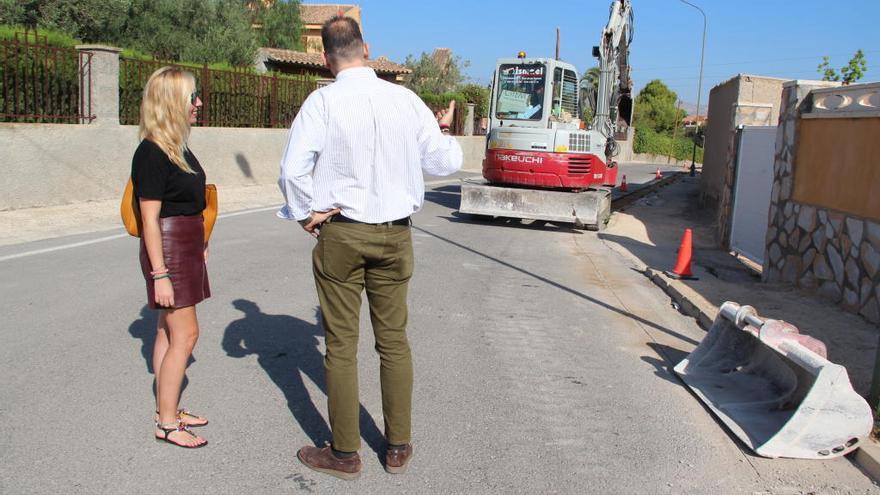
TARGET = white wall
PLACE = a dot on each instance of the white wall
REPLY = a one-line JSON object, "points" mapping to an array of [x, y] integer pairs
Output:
{"points": [[57, 164]]}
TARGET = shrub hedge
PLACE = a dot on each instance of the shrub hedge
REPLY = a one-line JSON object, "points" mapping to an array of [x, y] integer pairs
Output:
{"points": [[649, 141]]}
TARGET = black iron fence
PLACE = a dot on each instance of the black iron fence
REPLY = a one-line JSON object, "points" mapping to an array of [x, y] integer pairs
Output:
{"points": [[230, 98], [43, 83]]}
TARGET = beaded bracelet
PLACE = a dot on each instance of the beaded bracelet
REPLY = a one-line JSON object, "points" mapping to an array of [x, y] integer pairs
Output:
{"points": [[160, 277], [159, 271]]}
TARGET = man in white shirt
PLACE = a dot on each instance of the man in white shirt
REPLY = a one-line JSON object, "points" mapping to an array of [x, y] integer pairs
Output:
{"points": [[352, 176]]}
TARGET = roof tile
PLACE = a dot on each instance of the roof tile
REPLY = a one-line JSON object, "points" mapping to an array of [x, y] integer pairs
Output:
{"points": [[318, 13], [381, 65]]}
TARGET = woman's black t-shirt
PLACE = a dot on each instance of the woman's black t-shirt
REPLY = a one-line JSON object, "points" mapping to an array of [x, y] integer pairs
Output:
{"points": [[155, 176]]}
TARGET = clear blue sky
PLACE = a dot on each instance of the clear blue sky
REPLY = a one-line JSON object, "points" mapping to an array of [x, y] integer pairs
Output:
{"points": [[780, 38]]}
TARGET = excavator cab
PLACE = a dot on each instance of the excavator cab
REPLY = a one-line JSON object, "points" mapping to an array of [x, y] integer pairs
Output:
{"points": [[538, 93]]}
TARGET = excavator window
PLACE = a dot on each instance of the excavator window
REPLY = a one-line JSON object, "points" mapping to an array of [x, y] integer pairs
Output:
{"points": [[521, 91]]}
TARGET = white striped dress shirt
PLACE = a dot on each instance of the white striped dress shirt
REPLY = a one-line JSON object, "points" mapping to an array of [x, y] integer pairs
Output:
{"points": [[361, 144]]}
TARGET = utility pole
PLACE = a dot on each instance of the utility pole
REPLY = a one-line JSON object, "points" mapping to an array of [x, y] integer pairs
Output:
{"points": [[699, 88]]}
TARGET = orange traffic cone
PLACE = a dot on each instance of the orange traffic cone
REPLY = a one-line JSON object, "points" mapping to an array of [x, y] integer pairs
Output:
{"points": [[682, 268], [623, 187], [658, 175]]}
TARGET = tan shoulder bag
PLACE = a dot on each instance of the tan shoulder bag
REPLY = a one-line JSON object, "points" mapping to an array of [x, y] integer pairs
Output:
{"points": [[130, 210]]}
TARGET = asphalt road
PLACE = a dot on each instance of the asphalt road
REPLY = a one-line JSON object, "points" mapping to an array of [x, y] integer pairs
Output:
{"points": [[539, 360]]}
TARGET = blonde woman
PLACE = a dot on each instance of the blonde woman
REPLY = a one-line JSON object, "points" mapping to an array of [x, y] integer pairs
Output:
{"points": [[170, 186]]}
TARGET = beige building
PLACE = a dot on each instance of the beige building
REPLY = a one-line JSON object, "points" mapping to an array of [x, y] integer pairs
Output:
{"points": [[314, 15]]}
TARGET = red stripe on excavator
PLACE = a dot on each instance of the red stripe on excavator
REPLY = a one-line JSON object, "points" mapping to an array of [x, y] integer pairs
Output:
{"points": [[543, 169]]}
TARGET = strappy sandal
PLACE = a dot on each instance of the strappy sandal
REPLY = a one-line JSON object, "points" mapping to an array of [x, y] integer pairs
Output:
{"points": [[183, 414], [168, 428]]}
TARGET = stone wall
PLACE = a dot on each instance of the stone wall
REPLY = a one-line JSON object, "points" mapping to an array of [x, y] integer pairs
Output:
{"points": [[833, 252]]}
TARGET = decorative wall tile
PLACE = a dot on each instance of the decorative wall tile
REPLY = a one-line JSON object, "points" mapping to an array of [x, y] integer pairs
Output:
{"points": [[850, 300], [806, 242], [873, 232], [775, 253], [852, 273], [795, 238], [865, 291], [807, 218], [790, 223], [809, 256], [854, 228], [792, 268], [822, 269], [870, 311], [836, 221], [836, 263], [819, 239], [807, 280], [870, 259]]}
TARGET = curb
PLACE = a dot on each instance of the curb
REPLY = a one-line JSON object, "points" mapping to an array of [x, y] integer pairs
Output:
{"points": [[691, 303], [621, 202], [688, 300], [867, 457]]}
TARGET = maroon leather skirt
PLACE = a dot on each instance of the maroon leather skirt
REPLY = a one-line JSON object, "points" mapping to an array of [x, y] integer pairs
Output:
{"points": [[183, 246]]}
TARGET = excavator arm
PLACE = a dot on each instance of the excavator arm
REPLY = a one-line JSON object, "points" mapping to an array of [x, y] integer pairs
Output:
{"points": [[614, 99]]}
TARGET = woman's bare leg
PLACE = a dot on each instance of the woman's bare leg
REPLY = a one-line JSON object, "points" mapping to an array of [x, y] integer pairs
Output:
{"points": [[160, 347], [183, 332]]}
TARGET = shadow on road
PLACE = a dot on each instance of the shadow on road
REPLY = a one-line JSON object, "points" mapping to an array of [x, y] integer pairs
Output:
{"points": [[670, 357], [145, 330], [287, 348], [552, 283]]}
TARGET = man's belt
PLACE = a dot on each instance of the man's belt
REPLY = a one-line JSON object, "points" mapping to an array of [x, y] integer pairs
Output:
{"points": [[343, 219]]}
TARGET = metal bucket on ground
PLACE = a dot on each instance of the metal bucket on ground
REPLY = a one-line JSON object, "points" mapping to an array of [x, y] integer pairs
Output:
{"points": [[775, 389]]}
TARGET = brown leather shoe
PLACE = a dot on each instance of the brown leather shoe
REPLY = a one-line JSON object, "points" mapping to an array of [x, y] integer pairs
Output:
{"points": [[323, 461], [397, 458]]}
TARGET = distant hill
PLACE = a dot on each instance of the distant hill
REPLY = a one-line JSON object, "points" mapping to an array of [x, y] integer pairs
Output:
{"points": [[691, 108]]}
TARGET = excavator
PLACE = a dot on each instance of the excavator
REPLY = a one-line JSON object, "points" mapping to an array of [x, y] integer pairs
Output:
{"points": [[543, 160]]}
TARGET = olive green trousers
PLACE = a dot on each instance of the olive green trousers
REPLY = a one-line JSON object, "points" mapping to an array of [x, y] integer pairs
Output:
{"points": [[348, 259]]}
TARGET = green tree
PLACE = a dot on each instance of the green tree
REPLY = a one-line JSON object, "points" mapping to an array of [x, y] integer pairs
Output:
{"points": [[656, 109], [279, 24], [430, 76], [478, 95], [850, 73], [591, 76], [191, 30], [20, 12], [88, 20]]}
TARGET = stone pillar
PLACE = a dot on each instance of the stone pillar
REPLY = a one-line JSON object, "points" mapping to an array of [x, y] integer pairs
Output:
{"points": [[780, 261], [101, 81], [469, 120]]}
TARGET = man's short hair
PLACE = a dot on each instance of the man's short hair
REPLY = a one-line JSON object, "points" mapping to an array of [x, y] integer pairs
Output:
{"points": [[342, 39]]}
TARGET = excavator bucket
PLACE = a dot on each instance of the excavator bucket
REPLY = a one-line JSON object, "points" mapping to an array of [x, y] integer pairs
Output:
{"points": [[775, 389], [586, 209]]}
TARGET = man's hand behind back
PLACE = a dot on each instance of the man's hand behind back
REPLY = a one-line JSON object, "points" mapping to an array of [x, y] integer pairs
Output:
{"points": [[313, 223]]}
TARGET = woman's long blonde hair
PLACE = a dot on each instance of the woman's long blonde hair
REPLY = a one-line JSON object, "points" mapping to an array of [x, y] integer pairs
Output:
{"points": [[165, 112]]}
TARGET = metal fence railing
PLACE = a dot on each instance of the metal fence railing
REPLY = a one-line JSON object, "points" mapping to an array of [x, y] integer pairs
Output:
{"points": [[230, 98], [43, 83]]}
